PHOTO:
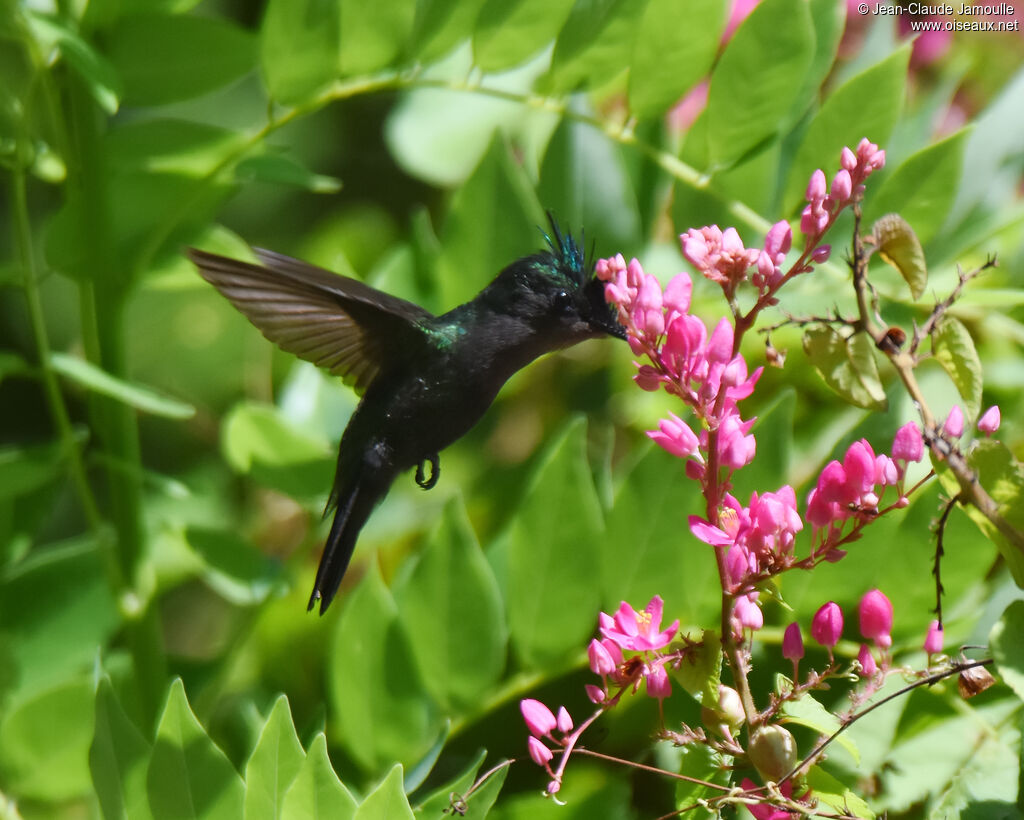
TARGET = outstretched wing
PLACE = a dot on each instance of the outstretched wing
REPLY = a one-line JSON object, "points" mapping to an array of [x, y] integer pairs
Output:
{"points": [[340, 324]]}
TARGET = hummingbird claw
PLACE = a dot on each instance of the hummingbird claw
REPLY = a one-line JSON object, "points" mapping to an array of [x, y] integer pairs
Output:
{"points": [[435, 472]]}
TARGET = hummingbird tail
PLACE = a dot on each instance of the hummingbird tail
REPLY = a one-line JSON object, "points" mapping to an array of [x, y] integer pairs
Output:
{"points": [[352, 511]]}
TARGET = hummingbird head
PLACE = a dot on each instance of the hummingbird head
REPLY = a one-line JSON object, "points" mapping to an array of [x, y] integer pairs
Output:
{"points": [[556, 292]]}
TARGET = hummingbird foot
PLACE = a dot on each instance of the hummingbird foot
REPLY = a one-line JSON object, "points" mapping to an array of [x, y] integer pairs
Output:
{"points": [[435, 472]]}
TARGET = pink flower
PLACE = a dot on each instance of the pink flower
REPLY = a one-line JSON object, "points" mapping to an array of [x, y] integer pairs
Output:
{"points": [[827, 625], [675, 436], [875, 612], [601, 662], [638, 631], [908, 444], [866, 661], [778, 241], [538, 717], [792, 642], [595, 693], [933, 640], [540, 753], [842, 186], [736, 447], [746, 613], [564, 720], [990, 419], [765, 811], [658, 684], [954, 425]]}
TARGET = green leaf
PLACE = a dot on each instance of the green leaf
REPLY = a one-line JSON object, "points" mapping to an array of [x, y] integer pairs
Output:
{"points": [[953, 348], [100, 77], [440, 799], [44, 742], [847, 365], [451, 609], [387, 801], [440, 25], [647, 540], [700, 672], [759, 74], [866, 105], [1007, 643], [700, 762], [922, 189], [233, 568], [189, 776], [1002, 476], [273, 765], [834, 794], [280, 169], [257, 439], [118, 758], [373, 35], [169, 146], [480, 802], [91, 377], [829, 22], [300, 44], [316, 793], [669, 59], [24, 470], [899, 246], [492, 220], [588, 51], [165, 58], [391, 719], [509, 31], [552, 561], [806, 711]]}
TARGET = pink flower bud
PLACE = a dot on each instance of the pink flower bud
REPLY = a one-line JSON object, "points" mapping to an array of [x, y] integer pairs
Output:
{"points": [[821, 253], [990, 419], [816, 189], [827, 625], [842, 186], [675, 436], [540, 753], [564, 720], [677, 294], [778, 241], [595, 693], [538, 717], [601, 662], [954, 425], [886, 472], [866, 661], [792, 642], [647, 378], [876, 617], [908, 444], [933, 640], [848, 159], [747, 613], [553, 787], [658, 684]]}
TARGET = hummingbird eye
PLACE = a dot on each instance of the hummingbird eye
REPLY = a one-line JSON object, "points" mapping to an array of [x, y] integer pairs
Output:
{"points": [[563, 303]]}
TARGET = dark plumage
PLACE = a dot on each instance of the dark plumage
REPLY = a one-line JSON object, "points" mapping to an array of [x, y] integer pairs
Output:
{"points": [[426, 380]]}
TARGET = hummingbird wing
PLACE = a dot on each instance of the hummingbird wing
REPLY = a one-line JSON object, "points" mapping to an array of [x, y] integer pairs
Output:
{"points": [[340, 324]]}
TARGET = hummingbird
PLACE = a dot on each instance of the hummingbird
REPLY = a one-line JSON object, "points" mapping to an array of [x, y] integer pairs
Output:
{"points": [[425, 380]]}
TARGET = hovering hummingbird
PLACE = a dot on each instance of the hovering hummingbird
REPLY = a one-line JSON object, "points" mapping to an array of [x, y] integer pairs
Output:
{"points": [[425, 380]]}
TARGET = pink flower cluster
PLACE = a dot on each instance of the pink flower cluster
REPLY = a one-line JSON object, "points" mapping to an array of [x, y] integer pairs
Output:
{"points": [[853, 488], [847, 187], [542, 722], [637, 632]]}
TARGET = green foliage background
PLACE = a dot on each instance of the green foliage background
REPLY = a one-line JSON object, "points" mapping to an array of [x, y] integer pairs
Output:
{"points": [[163, 469]]}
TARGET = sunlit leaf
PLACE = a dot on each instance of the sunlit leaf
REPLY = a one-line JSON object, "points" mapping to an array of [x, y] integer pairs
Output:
{"points": [[953, 348], [316, 793], [189, 776], [1007, 642], [588, 48], [118, 759], [509, 31], [387, 801], [300, 42], [281, 169], [899, 246], [273, 765], [847, 365], [440, 25]]}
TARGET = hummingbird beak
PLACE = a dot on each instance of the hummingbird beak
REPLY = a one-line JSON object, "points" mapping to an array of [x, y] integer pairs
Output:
{"points": [[606, 323]]}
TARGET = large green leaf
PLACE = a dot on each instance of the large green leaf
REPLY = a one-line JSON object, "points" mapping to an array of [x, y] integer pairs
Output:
{"points": [[866, 105], [165, 58], [923, 187], [143, 398], [373, 35], [44, 742], [509, 31], [189, 776], [387, 801], [553, 562], [391, 719], [440, 25], [1007, 643], [316, 793], [953, 348], [1002, 476], [759, 74], [118, 759], [451, 609], [668, 59], [847, 365], [300, 41], [273, 765], [589, 47]]}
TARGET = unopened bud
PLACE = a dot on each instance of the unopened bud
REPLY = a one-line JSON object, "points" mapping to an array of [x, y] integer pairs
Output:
{"points": [[772, 750]]}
